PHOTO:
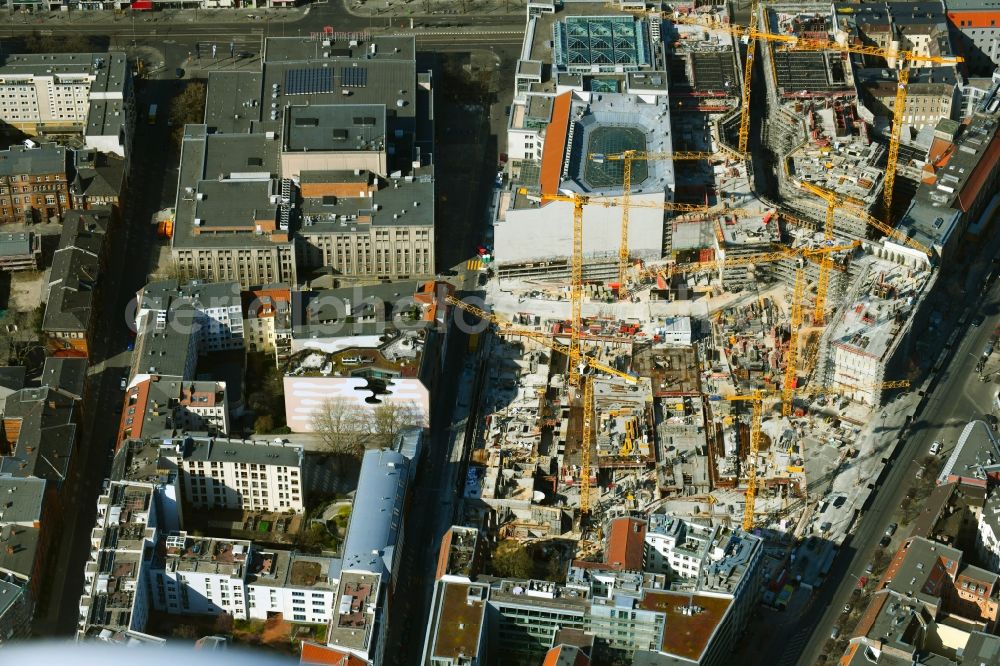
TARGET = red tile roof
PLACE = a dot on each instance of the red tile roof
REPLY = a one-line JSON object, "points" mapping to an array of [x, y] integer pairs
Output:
{"points": [[554, 148], [626, 544], [977, 179], [322, 655]]}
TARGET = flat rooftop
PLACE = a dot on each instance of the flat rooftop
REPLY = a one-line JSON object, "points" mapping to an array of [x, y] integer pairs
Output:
{"points": [[460, 619], [877, 311], [353, 620], [226, 557], [338, 70], [335, 127], [692, 620], [234, 101]]}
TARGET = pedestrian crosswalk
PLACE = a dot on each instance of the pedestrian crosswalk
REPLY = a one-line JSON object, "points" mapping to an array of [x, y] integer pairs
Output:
{"points": [[474, 265]]}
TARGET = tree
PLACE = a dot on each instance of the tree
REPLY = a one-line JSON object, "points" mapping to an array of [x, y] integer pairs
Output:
{"points": [[263, 424], [512, 560], [188, 108], [340, 426], [388, 418]]}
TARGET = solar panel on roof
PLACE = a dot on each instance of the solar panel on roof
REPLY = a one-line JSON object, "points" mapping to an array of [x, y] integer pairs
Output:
{"points": [[308, 81], [354, 77]]}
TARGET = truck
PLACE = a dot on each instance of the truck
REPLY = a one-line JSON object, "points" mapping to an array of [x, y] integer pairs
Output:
{"points": [[151, 115]]}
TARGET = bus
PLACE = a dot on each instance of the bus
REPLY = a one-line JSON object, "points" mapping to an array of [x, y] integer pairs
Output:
{"points": [[151, 116]]}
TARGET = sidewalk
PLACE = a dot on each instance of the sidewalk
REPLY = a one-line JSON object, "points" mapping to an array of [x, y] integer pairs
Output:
{"points": [[441, 8], [112, 17]]}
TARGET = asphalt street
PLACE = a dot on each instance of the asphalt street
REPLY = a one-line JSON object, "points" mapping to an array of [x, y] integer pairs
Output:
{"points": [[958, 396], [125, 274]]}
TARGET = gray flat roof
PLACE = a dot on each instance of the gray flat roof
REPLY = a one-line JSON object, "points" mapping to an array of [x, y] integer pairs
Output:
{"points": [[389, 72], [242, 451], [397, 202], [108, 69], [45, 159], [68, 374], [16, 244], [234, 100], [342, 127], [208, 164], [105, 117], [976, 448], [376, 517]]}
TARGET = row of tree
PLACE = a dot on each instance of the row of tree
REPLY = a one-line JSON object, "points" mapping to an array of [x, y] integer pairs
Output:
{"points": [[345, 429]]}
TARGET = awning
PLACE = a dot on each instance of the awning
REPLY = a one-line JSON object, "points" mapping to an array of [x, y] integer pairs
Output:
{"points": [[143, 5]]}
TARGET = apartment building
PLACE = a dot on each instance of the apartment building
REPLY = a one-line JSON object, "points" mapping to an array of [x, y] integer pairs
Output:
{"points": [[267, 321], [932, 93], [85, 93], [98, 179], [72, 306], [371, 553], [157, 405], [34, 185], [215, 310], [240, 474], [190, 575], [975, 27]]}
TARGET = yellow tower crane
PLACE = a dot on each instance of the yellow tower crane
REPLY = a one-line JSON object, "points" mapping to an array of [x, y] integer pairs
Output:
{"points": [[575, 359], [898, 59], [791, 359], [778, 254], [856, 207], [627, 158], [756, 398]]}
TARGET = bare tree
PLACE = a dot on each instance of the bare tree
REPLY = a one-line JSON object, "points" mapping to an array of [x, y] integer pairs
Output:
{"points": [[339, 424], [388, 418]]}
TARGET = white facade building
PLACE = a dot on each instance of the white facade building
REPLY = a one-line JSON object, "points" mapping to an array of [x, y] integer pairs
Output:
{"points": [[240, 474], [89, 93]]}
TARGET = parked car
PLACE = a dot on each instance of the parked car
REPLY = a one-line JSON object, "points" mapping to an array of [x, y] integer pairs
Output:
{"points": [[179, 72], [920, 472], [891, 529], [936, 448], [123, 384], [868, 570], [978, 320], [885, 541], [862, 581], [834, 633], [847, 608]]}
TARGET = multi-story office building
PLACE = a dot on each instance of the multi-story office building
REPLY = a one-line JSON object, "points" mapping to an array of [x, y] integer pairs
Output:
{"points": [[85, 93], [330, 169], [34, 185]]}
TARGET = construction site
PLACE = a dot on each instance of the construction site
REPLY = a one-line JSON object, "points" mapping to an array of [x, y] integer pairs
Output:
{"points": [[668, 338]]}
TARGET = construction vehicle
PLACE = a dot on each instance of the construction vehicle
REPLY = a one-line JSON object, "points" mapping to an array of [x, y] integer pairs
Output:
{"points": [[897, 59]]}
